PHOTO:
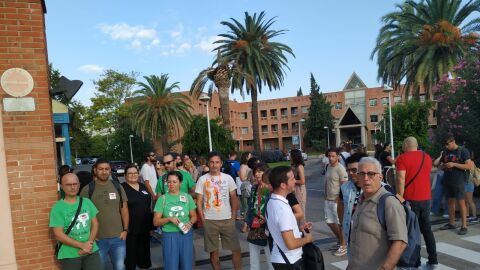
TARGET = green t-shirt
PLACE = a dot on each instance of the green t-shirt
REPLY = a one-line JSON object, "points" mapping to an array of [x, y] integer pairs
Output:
{"points": [[62, 214], [186, 186], [175, 205]]}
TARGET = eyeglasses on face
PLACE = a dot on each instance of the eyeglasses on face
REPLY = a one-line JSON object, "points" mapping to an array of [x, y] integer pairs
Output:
{"points": [[73, 185], [132, 173], [371, 175], [167, 162]]}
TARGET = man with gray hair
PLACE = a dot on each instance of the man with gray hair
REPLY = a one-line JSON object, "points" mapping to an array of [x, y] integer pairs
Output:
{"points": [[413, 184], [385, 243]]}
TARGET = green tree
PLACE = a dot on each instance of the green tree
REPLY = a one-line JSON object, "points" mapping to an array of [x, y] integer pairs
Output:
{"points": [[196, 137], [319, 116], [81, 140], [423, 40], [299, 92], [112, 90], [262, 62], [157, 111]]}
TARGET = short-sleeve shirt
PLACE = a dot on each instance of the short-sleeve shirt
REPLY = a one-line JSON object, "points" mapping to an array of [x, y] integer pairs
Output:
{"points": [[149, 173], [334, 177], [419, 189], [383, 158], [280, 218], [455, 176], [366, 231], [175, 206], [216, 195], [185, 187], [107, 200], [62, 214]]}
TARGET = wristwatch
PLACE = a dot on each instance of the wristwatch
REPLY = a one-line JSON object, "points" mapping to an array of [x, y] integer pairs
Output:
{"points": [[126, 230]]}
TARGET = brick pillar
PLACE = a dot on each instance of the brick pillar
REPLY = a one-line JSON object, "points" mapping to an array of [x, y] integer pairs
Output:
{"points": [[28, 136]]}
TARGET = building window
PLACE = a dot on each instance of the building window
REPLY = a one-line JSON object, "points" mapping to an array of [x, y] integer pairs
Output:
{"points": [[373, 102], [267, 146], [397, 100], [434, 113], [264, 129], [385, 101], [284, 128], [295, 126], [294, 111], [422, 98], [273, 113], [304, 109], [338, 105], [284, 112], [274, 128], [373, 118], [263, 114], [243, 115], [244, 130]]}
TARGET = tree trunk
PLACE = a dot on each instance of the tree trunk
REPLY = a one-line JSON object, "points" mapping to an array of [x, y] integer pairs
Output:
{"points": [[225, 104], [256, 133]]}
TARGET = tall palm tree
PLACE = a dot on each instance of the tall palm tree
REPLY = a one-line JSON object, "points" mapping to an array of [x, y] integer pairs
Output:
{"points": [[262, 61], [157, 110], [422, 41]]}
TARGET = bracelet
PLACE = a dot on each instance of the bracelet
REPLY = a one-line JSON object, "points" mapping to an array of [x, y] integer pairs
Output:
{"points": [[126, 230]]}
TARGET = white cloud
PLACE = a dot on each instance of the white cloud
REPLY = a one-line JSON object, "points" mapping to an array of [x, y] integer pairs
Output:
{"points": [[135, 34], [176, 49], [206, 44], [91, 68], [175, 34], [136, 44]]}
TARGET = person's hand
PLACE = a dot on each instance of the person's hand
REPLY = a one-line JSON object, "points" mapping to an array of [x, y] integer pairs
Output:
{"points": [[306, 226], [187, 226], [307, 235], [86, 248], [449, 165], [174, 220], [123, 235]]}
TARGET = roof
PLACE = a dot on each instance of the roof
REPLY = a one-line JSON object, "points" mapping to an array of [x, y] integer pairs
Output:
{"points": [[354, 83]]}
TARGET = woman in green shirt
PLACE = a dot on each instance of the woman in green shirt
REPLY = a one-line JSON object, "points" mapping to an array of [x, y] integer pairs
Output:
{"points": [[175, 212]]}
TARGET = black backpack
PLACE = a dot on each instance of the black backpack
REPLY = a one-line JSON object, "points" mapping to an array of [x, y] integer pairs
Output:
{"points": [[228, 168], [116, 184]]}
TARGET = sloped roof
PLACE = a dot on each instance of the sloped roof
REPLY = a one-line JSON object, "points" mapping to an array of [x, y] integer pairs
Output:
{"points": [[349, 117], [354, 83]]}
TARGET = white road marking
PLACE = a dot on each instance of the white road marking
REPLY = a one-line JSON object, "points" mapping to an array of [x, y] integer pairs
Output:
{"points": [[475, 239], [459, 252]]}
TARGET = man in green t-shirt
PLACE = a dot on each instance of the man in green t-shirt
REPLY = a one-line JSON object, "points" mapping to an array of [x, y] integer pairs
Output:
{"points": [[187, 186], [78, 248]]}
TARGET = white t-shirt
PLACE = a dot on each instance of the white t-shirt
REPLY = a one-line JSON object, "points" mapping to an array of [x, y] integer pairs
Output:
{"points": [[280, 219], [149, 173], [216, 195], [345, 156]]}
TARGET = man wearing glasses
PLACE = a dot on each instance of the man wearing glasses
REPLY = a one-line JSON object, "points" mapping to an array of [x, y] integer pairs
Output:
{"points": [[170, 164], [149, 173], [371, 245]]}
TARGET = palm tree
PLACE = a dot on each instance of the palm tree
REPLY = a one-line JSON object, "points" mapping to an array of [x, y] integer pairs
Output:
{"points": [[422, 41], [262, 62], [157, 111]]}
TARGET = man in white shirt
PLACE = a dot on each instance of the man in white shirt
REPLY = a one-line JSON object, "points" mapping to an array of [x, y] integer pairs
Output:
{"points": [[149, 174], [217, 207], [282, 224]]}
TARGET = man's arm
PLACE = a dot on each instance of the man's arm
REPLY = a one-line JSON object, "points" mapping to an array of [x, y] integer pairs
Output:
{"points": [[149, 188], [292, 243], [199, 199], [93, 229], [394, 253], [233, 203], [400, 183], [125, 220], [60, 236]]}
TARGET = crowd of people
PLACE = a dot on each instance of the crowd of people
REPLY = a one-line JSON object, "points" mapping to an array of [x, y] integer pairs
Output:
{"points": [[104, 222]]}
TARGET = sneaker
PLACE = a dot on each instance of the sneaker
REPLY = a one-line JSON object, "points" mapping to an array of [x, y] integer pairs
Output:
{"points": [[334, 247], [472, 219], [462, 231], [448, 226], [446, 216], [431, 266], [340, 251]]}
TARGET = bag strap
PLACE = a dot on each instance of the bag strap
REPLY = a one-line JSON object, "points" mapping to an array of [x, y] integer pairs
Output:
{"points": [[69, 229], [259, 197], [419, 169], [289, 265]]}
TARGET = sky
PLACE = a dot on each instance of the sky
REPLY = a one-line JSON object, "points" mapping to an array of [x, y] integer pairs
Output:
{"points": [[331, 39]]}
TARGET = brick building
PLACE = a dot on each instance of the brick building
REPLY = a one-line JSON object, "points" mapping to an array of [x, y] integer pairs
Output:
{"points": [[357, 111], [28, 185]]}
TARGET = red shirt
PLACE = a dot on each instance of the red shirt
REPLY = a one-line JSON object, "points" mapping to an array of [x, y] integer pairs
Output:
{"points": [[419, 189]]}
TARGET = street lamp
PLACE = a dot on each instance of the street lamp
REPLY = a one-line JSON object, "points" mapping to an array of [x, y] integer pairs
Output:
{"points": [[205, 98], [389, 91], [131, 152], [299, 136], [328, 136]]}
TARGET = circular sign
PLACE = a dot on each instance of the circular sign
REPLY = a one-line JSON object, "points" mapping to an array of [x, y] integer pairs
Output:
{"points": [[17, 82]]}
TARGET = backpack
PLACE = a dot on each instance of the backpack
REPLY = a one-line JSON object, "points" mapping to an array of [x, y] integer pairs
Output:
{"points": [[312, 257], [229, 169], [116, 184], [411, 254], [475, 175]]}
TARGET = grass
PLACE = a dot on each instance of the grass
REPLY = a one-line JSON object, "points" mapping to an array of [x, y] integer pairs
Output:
{"points": [[280, 163]]}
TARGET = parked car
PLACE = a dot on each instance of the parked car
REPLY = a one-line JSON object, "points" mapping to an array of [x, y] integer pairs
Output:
{"points": [[118, 167], [304, 156]]}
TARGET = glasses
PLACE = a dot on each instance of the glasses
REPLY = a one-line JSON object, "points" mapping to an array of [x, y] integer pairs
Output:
{"points": [[132, 173], [74, 185], [352, 170], [167, 162], [371, 175]]}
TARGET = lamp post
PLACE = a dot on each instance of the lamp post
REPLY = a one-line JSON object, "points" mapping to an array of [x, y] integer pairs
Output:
{"points": [[389, 91], [131, 151], [205, 98], [328, 136], [299, 133]]}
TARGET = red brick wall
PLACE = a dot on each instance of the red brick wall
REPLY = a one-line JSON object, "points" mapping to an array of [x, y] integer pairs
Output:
{"points": [[29, 137]]}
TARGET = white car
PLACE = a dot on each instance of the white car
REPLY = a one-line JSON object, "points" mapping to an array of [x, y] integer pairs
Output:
{"points": [[304, 156]]}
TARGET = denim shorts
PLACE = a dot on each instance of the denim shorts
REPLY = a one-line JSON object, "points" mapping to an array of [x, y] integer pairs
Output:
{"points": [[469, 187]]}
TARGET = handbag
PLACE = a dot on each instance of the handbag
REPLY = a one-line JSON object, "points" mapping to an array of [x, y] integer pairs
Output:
{"points": [[257, 234], [256, 220], [69, 229]]}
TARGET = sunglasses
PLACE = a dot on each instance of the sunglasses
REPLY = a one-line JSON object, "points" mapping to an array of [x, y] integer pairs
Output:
{"points": [[371, 175], [167, 162]]}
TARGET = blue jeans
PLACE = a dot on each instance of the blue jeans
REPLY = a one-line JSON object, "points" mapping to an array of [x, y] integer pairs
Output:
{"points": [[438, 201], [114, 249], [178, 250]]}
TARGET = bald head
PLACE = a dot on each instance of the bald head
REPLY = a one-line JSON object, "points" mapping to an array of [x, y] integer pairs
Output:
{"points": [[410, 144], [69, 177]]}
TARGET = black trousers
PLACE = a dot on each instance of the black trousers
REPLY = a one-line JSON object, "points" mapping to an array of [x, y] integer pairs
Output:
{"points": [[422, 210], [138, 251], [298, 265]]}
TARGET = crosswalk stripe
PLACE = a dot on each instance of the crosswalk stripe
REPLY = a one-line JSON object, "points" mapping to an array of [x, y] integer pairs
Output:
{"points": [[343, 265], [459, 252], [475, 239]]}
